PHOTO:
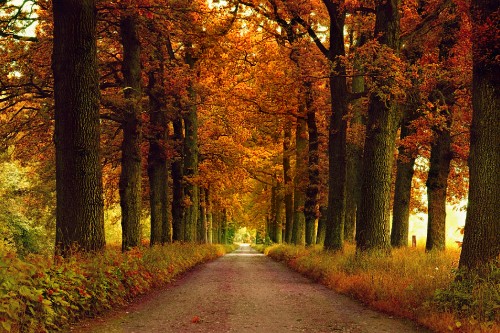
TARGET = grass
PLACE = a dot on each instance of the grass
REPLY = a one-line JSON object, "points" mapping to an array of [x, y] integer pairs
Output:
{"points": [[409, 283], [40, 294]]}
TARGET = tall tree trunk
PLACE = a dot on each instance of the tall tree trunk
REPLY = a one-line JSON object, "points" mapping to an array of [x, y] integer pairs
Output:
{"points": [[278, 231], [157, 167], [481, 244], [130, 177], [299, 197], [337, 132], [215, 227], [354, 156], [202, 219], [166, 221], [218, 227], [288, 186], [320, 239], [208, 204], [268, 229], [373, 219], [191, 190], [441, 154], [437, 183], [402, 191], [223, 227], [177, 182], [311, 203], [272, 216], [79, 211]]}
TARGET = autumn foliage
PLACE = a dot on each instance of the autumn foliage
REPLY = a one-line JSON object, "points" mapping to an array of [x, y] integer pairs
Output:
{"points": [[409, 284], [313, 122], [40, 294]]}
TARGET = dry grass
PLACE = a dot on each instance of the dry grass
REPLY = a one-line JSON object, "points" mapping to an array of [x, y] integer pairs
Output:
{"points": [[409, 283]]}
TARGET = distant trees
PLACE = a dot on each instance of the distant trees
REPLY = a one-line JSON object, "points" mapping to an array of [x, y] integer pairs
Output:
{"points": [[260, 111]]}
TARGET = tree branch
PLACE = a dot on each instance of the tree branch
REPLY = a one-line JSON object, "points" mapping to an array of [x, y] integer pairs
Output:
{"points": [[19, 37], [313, 35], [426, 21]]}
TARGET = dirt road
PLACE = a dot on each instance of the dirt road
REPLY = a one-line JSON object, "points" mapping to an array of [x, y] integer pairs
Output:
{"points": [[245, 291]]}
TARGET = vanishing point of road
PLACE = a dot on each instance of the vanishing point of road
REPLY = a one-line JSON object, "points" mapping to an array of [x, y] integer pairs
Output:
{"points": [[246, 292]]}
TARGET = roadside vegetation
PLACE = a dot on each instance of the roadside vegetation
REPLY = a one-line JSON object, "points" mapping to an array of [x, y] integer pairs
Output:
{"points": [[41, 294], [410, 283]]}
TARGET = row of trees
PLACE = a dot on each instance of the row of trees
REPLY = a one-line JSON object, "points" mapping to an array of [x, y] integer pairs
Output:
{"points": [[282, 111]]}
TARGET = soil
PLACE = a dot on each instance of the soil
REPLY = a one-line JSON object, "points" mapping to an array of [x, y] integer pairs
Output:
{"points": [[245, 291]]}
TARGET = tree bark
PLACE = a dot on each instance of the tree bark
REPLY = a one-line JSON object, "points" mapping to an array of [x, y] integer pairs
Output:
{"points": [[157, 167], [278, 230], [191, 190], [437, 183], [130, 177], [403, 185], [79, 211], [271, 227], [320, 239], [481, 243], [441, 154], [288, 182], [215, 227], [223, 227], [299, 197], [177, 182], [311, 203], [166, 221], [202, 219], [208, 204], [337, 133], [373, 219], [354, 157]]}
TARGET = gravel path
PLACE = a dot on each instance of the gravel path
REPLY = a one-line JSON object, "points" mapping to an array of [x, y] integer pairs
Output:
{"points": [[245, 291]]}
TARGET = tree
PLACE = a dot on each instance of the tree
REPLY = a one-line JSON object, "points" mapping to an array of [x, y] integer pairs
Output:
{"points": [[403, 183], [299, 196], [130, 177], [157, 165], [373, 224], [79, 213], [312, 190], [177, 182], [287, 178], [407, 153], [441, 146], [191, 189], [354, 153], [334, 238], [437, 183], [481, 244]]}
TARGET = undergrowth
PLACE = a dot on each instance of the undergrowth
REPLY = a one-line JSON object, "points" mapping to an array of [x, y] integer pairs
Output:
{"points": [[40, 294], [409, 283]]}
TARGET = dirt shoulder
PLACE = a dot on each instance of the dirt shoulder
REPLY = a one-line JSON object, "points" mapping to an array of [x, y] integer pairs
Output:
{"points": [[245, 291]]}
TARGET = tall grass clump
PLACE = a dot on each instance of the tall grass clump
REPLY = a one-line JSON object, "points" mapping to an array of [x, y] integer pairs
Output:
{"points": [[408, 283], [40, 294], [472, 296]]}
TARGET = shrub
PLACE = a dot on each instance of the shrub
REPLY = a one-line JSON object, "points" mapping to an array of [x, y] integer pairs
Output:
{"points": [[43, 294], [476, 297]]}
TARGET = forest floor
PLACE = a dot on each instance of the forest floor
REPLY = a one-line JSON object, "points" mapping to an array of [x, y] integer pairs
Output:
{"points": [[244, 291]]}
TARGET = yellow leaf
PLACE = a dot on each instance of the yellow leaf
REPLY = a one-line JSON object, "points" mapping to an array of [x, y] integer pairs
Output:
{"points": [[6, 325]]}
